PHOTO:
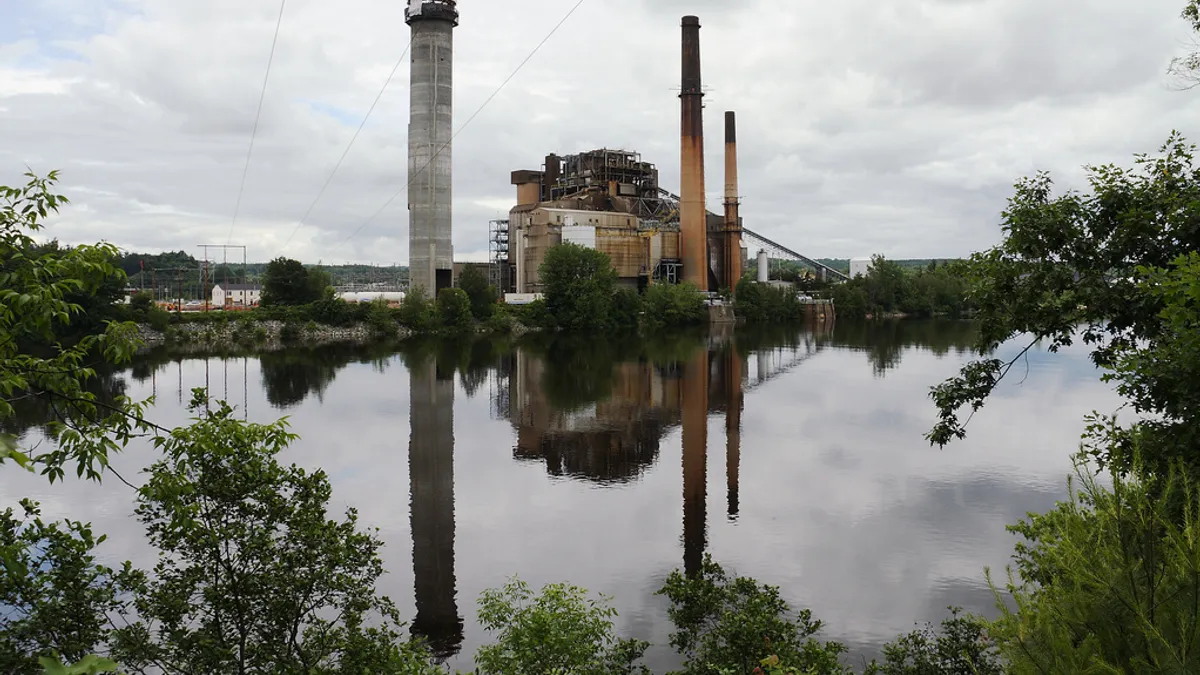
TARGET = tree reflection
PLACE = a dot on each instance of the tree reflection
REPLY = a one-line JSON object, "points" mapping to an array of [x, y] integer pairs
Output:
{"points": [[886, 341]]}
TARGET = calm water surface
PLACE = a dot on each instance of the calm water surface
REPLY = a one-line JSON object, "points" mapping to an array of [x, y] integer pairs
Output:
{"points": [[796, 458]]}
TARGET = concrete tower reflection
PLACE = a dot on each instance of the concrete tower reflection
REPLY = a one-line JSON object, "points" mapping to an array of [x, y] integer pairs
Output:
{"points": [[695, 457], [431, 477]]}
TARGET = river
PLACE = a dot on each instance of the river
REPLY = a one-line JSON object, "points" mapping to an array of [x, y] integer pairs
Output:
{"points": [[795, 457]]}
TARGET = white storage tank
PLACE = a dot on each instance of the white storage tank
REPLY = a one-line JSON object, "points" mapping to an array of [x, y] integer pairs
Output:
{"points": [[372, 296], [859, 267]]}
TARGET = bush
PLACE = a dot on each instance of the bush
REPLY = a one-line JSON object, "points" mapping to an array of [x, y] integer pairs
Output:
{"points": [[416, 312], [626, 310], [580, 283], [1109, 581], [379, 319], [454, 310], [481, 294], [534, 315], [763, 303], [559, 631], [672, 306], [962, 648], [290, 331], [726, 624]]}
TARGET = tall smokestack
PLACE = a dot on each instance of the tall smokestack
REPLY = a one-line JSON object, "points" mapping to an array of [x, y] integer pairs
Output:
{"points": [[430, 252], [733, 228], [692, 214]]}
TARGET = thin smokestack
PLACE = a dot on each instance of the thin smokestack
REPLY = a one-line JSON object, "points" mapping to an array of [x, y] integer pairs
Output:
{"points": [[692, 224], [733, 228]]}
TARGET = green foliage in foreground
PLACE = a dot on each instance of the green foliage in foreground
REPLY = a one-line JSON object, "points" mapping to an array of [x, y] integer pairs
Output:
{"points": [[36, 308], [56, 599], [729, 624], [559, 630], [252, 576], [1109, 581], [1073, 266]]}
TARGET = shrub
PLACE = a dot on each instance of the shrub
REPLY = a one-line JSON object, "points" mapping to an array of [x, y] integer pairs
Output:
{"points": [[671, 306], [626, 310], [763, 303], [961, 648], [579, 285], [560, 630], [379, 319], [290, 331], [1109, 581], [454, 310], [726, 624], [416, 312], [481, 294]]}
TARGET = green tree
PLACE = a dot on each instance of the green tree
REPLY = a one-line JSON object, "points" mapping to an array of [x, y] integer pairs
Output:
{"points": [[252, 575], [1075, 267], [288, 282], [56, 598], [454, 310], [560, 630], [481, 294], [729, 624], [579, 283]]}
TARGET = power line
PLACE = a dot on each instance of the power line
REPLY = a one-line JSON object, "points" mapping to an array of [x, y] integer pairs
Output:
{"points": [[350, 145], [257, 115], [464, 126]]}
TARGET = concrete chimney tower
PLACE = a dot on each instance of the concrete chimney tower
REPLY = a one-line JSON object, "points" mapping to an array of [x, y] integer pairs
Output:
{"points": [[693, 216], [430, 251]]}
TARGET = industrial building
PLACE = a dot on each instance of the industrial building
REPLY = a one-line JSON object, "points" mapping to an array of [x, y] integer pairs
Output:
{"points": [[611, 200]]}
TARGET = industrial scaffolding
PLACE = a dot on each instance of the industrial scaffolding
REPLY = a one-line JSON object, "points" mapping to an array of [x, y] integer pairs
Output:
{"points": [[499, 274]]}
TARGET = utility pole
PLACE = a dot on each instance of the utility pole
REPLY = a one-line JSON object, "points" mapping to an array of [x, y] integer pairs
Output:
{"points": [[225, 253]]}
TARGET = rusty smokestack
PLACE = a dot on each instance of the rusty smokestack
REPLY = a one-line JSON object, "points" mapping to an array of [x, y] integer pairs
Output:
{"points": [[692, 214], [733, 226]]}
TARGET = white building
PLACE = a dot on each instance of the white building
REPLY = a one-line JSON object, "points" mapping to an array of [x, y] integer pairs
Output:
{"points": [[236, 294], [859, 267]]}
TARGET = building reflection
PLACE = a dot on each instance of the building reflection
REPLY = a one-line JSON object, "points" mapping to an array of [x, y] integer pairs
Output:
{"points": [[617, 438], [431, 484]]}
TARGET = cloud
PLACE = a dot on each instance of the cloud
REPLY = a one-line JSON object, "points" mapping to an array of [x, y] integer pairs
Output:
{"points": [[895, 128]]}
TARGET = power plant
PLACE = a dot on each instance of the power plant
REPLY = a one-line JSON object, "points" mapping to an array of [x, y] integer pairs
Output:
{"points": [[431, 107], [611, 200], [607, 199]]}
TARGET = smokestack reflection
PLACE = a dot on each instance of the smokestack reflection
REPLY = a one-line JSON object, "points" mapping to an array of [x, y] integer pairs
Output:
{"points": [[695, 459], [733, 425], [431, 478]]}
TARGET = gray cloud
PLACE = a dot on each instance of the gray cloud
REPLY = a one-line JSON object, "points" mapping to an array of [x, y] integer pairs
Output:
{"points": [[895, 128]]}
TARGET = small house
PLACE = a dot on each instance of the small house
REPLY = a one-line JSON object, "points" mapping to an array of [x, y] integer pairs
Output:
{"points": [[244, 295]]}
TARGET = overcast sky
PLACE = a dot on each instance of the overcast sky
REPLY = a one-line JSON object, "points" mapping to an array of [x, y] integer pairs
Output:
{"points": [[866, 126]]}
